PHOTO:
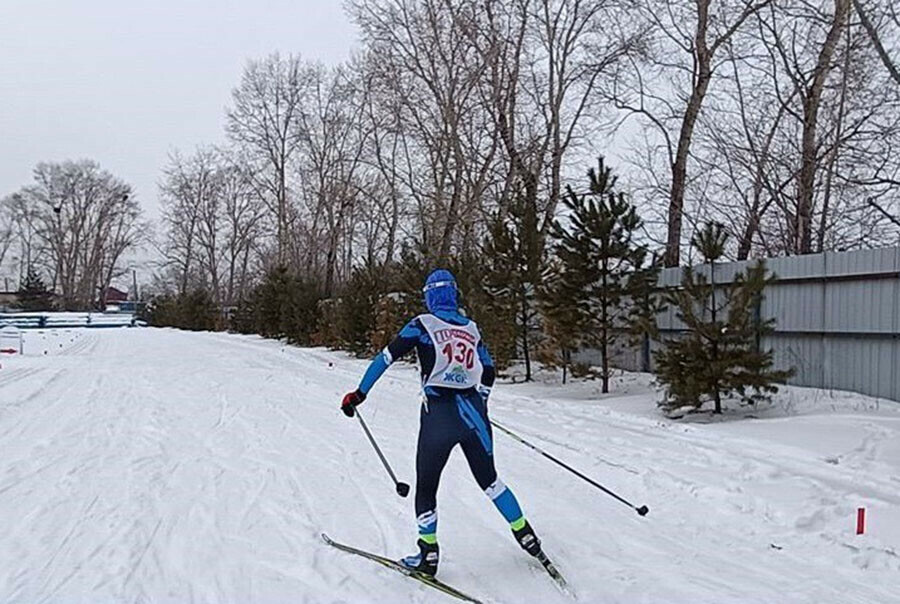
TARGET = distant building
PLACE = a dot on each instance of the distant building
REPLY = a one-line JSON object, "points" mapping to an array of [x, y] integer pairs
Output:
{"points": [[115, 296]]}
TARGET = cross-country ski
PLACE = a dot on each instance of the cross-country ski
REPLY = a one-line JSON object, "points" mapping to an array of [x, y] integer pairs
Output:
{"points": [[417, 575]]}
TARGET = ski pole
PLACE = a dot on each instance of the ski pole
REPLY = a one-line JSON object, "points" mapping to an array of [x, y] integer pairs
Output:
{"points": [[642, 510], [402, 487]]}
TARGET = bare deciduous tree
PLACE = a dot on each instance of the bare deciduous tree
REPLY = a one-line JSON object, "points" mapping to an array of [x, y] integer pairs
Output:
{"points": [[265, 122], [888, 15], [667, 88], [430, 64], [7, 231], [77, 220], [213, 218], [545, 58]]}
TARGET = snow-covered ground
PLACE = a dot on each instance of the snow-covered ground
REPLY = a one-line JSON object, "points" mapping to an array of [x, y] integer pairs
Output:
{"points": [[165, 466]]}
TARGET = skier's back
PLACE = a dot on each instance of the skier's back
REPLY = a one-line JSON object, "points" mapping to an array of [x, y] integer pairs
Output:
{"points": [[457, 375]]}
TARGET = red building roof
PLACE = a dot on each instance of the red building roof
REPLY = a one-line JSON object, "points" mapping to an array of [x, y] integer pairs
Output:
{"points": [[114, 295]]}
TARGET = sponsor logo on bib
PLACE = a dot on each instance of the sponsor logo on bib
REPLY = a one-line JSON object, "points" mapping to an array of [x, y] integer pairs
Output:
{"points": [[457, 375], [445, 335]]}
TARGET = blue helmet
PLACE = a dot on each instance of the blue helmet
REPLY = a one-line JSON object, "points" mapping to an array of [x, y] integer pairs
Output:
{"points": [[440, 291]]}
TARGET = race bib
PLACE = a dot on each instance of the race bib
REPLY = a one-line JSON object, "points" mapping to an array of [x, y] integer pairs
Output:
{"points": [[456, 362]]}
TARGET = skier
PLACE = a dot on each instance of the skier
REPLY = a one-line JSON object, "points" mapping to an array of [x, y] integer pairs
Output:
{"points": [[457, 375]]}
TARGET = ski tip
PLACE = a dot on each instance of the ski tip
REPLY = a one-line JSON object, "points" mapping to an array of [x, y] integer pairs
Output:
{"points": [[326, 538]]}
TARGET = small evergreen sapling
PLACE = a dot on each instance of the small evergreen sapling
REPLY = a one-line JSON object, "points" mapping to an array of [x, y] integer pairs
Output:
{"points": [[645, 306], [33, 295], [720, 355]]}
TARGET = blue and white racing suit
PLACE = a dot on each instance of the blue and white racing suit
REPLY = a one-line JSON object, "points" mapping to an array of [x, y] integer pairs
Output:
{"points": [[457, 374]]}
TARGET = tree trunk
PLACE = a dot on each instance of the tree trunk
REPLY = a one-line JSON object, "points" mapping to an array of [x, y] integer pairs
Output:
{"points": [[604, 331], [808, 159], [835, 152], [703, 74], [526, 353], [717, 396]]}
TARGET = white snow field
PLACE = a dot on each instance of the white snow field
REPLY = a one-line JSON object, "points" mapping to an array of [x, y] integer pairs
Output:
{"points": [[148, 465]]}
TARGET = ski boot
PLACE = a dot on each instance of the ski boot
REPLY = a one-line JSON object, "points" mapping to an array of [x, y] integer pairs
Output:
{"points": [[528, 540], [426, 561]]}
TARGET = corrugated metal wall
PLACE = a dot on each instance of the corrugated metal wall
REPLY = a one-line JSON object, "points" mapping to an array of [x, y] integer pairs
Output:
{"points": [[838, 319]]}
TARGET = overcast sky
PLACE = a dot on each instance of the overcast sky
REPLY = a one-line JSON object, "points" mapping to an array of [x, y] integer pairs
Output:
{"points": [[124, 82]]}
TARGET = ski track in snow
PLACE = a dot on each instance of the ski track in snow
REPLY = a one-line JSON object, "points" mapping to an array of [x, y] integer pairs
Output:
{"points": [[146, 465]]}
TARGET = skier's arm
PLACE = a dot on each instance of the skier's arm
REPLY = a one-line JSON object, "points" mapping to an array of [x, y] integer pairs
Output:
{"points": [[402, 344], [489, 374]]}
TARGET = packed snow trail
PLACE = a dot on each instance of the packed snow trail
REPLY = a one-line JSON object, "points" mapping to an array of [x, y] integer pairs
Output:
{"points": [[165, 466]]}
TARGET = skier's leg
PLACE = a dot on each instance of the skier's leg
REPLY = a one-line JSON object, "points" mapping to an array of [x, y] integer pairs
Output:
{"points": [[432, 452], [478, 449], [436, 440]]}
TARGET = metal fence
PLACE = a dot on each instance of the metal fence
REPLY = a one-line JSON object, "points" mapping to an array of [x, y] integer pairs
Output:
{"points": [[837, 320], [55, 320]]}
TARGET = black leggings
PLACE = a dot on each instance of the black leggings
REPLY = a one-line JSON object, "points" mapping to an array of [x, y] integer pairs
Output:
{"points": [[451, 418]]}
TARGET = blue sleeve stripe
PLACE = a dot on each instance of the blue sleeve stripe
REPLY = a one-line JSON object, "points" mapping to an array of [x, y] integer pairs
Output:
{"points": [[376, 368], [484, 355], [411, 330], [474, 420]]}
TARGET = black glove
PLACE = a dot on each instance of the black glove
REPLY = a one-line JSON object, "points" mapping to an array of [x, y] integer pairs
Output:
{"points": [[351, 400]]}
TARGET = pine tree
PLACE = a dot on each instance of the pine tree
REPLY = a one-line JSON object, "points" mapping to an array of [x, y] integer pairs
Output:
{"points": [[358, 307], [407, 277], [283, 305], [388, 321], [720, 356], [274, 304], [162, 311], [602, 264], [194, 310], [33, 295], [644, 308], [198, 311], [304, 318], [327, 329], [564, 313], [513, 260]]}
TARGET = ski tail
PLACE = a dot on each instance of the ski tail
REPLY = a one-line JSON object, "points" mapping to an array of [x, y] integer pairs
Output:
{"points": [[554, 573], [421, 577]]}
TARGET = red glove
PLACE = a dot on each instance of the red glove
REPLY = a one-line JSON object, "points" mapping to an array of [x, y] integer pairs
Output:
{"points": [[351, 400]]}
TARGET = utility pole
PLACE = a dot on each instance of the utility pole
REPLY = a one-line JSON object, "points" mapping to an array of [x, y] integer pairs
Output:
{"points": [[134, 296]]}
